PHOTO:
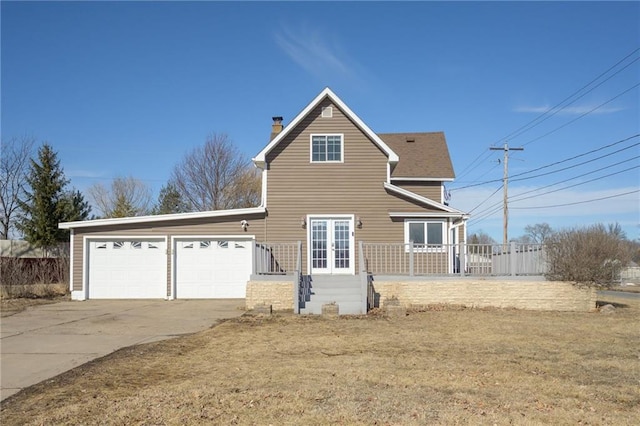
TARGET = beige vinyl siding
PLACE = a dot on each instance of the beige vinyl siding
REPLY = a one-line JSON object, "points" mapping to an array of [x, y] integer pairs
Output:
{"points": [[217, 226], [430, 190], [297, 188]]}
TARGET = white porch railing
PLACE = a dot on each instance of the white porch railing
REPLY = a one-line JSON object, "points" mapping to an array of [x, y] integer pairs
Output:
{"points": [[277, 258], [453, 259], [284, 259]]}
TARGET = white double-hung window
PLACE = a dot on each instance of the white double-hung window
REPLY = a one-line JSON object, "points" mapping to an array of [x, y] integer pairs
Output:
{"points": [[327, 148], [424, 234]]}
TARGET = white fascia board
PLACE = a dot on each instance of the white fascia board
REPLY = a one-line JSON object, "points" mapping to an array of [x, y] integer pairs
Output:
{"points": [[263, 197], [71, 259], [421, 199], [422, 179], [463, 216], [160, 218], [260, 159]]}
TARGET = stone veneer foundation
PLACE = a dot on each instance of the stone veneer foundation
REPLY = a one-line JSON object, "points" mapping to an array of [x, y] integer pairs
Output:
{"points": [[471, 292]]}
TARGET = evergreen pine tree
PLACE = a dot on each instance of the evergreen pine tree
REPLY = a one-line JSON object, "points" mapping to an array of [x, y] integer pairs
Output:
{"points": [[46, 202], [75, 209], [122, 207], [170, 201]]}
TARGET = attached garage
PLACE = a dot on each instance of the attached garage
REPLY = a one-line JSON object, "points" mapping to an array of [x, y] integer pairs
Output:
{"points": [[198, 255], [211, 267], [127, 268]]}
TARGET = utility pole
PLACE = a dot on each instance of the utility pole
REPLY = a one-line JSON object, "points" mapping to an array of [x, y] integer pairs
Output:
{"points": [[505, 214]]}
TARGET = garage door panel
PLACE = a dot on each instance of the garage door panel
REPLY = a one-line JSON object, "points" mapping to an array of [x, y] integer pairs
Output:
{"points": [[127, 269], [212, 268]]}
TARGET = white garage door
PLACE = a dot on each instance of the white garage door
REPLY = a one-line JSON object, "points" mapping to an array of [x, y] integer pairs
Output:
{"points": [[127, 269], [212, 268]]}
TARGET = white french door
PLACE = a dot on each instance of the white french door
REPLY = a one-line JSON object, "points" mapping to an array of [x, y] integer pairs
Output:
{"points": [[331, 242]]}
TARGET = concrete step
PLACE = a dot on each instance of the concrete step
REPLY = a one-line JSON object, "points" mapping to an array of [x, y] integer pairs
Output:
{"points": [[344, 308], [344, 290], [328, 298], [328, 279], [336, 291], [337, 284]]}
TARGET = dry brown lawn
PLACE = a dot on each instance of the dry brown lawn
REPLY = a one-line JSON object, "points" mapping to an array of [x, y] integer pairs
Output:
{"points": [[441, 366]]}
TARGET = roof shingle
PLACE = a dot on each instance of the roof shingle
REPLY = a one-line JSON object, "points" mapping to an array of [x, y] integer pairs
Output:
{"points": [[422, 155]]}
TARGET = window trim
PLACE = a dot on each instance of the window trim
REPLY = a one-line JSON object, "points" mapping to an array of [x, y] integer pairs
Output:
{"points": [[311, 160], [426, 247]]}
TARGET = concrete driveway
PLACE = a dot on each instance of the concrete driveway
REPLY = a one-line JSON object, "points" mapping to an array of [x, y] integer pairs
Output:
{"points": [[47, 340]]}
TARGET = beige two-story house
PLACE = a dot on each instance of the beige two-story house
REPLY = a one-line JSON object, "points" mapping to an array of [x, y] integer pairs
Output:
{"points": [[329, 184]]}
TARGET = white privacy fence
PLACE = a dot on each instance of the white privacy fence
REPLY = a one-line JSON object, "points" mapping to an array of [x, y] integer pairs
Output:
{"points": [[20, 248]]}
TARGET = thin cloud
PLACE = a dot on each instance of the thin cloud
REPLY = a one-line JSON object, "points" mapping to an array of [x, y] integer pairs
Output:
{"points": [[316, 53], [574, 110]]}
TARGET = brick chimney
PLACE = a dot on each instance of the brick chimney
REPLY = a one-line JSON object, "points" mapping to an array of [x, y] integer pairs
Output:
{"points": [[276, 127]]}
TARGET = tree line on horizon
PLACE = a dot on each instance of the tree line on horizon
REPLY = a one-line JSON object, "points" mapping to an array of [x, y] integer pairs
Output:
{"points": [[35, 195]]}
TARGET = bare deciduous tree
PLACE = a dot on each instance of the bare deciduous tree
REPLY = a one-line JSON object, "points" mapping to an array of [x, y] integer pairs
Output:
{"points": [[538, 233], [481, 237], [216, 176], [127, 196], [14, 167]]}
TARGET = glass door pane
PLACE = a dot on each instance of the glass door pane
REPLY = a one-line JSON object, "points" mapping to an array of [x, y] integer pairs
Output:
{"points": [[319, 255], [341, 238]]}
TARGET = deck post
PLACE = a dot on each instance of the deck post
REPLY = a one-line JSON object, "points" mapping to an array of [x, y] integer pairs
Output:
{"points": [[296, 280], [364, 282], [513, 258], [410, 258]]}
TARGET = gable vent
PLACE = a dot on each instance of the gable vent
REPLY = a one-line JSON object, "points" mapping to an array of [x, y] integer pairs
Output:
{"points": [[327, 112]]}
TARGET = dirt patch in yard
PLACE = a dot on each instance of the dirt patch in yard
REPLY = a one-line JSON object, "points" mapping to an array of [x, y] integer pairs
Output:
{"points": [[439, 366]]}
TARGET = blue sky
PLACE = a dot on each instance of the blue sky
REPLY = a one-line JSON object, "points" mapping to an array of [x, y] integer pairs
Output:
{"points": [[127, 88]]}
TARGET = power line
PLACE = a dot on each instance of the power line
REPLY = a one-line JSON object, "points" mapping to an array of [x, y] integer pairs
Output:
{"points": [[579, 155], [578, 202], [517, 198], [559, 162], [484, 216], [473, 222], [580, 116], [553, 131], [466, 170], [487, 199], [578, 164], [528, 126], [494, 208]]}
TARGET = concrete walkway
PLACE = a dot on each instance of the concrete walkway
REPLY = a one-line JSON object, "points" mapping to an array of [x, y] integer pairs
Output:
{"points": [[47, 340]]}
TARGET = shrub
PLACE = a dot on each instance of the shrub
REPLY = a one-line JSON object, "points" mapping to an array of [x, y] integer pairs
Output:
{"points": [[33, 277], [592, 256]]}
